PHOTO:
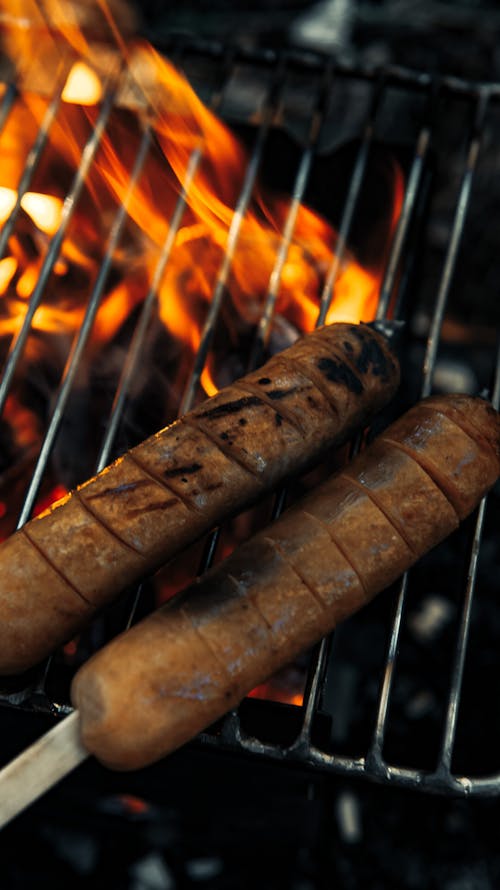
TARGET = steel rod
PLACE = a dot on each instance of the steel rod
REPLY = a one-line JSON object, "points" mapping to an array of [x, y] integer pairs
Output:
{"points": [[406, 216], [297, 196], [454, 242], [444, 763], [31, 163], [8, 99], [231, 244], [19, 341], [84, 332], [137, 342], [375, 754], [354, 191]]}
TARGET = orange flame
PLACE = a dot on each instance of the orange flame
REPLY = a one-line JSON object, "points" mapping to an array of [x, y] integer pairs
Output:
{"points": [[182, 127]]}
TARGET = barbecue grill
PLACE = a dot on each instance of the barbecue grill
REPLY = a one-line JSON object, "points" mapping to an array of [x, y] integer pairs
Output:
{"points": [[443, 133]]}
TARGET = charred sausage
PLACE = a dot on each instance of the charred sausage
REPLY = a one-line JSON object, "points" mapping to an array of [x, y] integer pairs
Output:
{"points": [[156, 686], [168, 491]]}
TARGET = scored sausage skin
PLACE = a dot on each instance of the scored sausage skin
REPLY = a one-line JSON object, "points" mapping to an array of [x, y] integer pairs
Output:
{"points": [[178, 484], [156, 686]]}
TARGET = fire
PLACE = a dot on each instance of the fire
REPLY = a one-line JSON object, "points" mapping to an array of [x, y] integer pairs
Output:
{"points": [[83, 86], [7, 201], [44, 210], [216, 236]]}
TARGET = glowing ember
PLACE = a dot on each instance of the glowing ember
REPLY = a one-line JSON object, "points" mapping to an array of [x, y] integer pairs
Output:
{"points": [[82, 86], [7, 201], [8, 268], [44, 210]]}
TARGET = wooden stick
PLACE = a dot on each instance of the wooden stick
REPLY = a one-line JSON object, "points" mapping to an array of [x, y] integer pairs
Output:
{"points": [[40, 767]]}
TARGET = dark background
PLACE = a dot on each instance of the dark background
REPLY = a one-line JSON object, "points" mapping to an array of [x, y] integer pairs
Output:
{"points": [[207, 819]]}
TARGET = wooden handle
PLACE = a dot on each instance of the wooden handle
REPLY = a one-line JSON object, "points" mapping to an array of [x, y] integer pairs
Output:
{"points": [[40, 767]]}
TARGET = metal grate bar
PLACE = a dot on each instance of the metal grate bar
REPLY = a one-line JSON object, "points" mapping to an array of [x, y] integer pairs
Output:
{"points": [[297, 195], [31, 164], [232, 241], [70, 201], [411, 193], [8, 99], [137, 342], [374, 758], [315, 682], [455, 240], [81, 339], [444, 765], [353, 194]]}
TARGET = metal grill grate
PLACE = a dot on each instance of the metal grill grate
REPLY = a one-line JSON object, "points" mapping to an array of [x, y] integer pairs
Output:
{"points": [[475, 105]]}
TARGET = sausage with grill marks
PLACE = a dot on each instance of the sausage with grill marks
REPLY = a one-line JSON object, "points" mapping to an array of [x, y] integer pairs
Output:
{"points": [[177, 485], [156, 686]]}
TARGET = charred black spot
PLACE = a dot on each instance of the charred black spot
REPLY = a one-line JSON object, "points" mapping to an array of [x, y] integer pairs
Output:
{"points": [[338, 372], [276, 394], [264, 381], [213, 486], [242, 421], [182, 471], [224, 436], [278, 419], [151, 508], [231, 407], [348, 346], [124, 488], [372, 356]]}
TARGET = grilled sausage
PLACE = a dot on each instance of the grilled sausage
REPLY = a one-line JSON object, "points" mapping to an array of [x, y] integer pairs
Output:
{"points": [[168, 491], [156, 686]]}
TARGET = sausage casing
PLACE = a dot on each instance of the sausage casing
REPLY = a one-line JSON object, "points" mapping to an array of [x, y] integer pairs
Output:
{"points": [[156, 686], [178, 484]]}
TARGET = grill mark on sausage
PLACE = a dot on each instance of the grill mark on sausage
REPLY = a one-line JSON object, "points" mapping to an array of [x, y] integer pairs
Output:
{"points": [[105, 525], [254, 605], [340, 372], [160, 480], [201, 636], [24, 531], [372, 356], [123, 488], [233, 407], [398, 527], [269, 399], [182, 471], [314, 377], [226, 451], [342, 549], [423, 464], [281, 553], [479, 438]]}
